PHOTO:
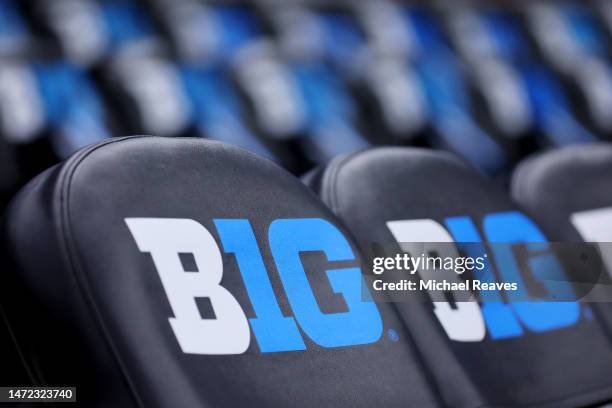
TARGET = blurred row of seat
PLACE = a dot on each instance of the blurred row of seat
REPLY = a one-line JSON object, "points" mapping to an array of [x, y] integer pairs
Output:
{"points": [[303, 82]]}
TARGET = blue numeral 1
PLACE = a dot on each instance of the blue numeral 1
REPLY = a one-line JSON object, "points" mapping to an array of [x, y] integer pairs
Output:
{"points": [[274, 332], [502, 319]]}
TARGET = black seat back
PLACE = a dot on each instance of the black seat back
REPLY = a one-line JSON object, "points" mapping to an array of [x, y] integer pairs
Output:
{"points": [[502, 351], [158, 272]]}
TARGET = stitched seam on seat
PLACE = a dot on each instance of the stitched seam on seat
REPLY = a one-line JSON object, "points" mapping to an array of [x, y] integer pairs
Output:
{"points": [[330, 184], [331, 181], [521, 182], [74, 263]]}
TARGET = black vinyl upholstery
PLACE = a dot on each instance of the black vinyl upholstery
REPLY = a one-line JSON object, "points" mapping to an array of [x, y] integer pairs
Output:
{"points": [[89, 309], [566, 366]]}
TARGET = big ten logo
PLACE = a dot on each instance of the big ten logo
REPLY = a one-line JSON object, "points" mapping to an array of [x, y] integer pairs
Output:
{"points": [[229, 332], [501, 318]]}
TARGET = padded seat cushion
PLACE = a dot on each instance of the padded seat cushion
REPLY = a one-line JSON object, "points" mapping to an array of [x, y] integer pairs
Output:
{"points": [[491, 353], [160, 272]]}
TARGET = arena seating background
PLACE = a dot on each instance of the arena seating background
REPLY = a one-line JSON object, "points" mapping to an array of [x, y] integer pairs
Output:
{"points": [[301, 82]]}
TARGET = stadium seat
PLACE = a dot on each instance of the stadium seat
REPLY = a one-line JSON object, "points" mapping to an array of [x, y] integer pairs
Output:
{"points": [[493, 353], [567, 185], [567, 191], [171, 272]]}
